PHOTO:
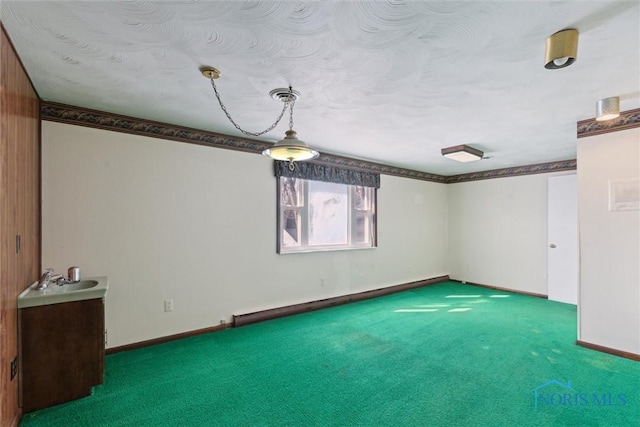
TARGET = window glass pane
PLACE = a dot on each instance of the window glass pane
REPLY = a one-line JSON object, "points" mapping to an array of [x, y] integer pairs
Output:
{"points": [[362, 232], [291, 192], [328, 214], [316, 216], [291, 230]]}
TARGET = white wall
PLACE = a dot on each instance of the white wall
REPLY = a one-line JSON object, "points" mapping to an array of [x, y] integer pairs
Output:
{"points": [[497, 232], [167, 220], [609, 300]]}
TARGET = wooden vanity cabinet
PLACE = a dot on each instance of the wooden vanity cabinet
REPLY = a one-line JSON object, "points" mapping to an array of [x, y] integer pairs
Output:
{"points": [[62, 352]]}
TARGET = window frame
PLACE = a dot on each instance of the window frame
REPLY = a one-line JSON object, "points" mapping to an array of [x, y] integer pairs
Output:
{"points": [[303, 208]]}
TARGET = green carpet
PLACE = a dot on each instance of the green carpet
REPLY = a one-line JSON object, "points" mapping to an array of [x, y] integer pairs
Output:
{"points": [[443, 355]]}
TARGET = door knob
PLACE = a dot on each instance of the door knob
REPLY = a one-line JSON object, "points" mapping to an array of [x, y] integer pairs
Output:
{"points": [[552, 246]]}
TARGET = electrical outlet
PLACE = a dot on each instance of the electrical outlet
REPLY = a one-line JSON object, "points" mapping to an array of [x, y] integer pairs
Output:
{"points": [[322, 282], [223, 321], [14, 367], [168, 305]]}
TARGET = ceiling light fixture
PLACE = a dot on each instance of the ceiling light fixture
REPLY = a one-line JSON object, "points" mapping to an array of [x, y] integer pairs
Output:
{"points": [[607, 109], [561, 50], [462, 153], [289, 149]]}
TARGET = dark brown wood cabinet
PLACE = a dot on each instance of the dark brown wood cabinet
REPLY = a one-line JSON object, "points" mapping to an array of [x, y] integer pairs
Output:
{"points": [[19, 213], [62, 352]]}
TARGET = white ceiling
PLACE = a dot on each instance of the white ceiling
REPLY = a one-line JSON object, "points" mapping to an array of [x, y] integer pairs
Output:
{"points": [[387, 81]]}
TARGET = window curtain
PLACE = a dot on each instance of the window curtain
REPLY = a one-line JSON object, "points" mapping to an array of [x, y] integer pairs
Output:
{"points": [[336, 175], [290, 198]]}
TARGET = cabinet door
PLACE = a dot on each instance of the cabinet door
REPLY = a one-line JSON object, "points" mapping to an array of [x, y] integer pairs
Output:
{"points": [[62, 352], [19, 211], [9, 266]]}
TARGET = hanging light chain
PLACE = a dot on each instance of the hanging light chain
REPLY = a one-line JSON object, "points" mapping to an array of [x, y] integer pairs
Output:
{"points": [[291, 104], [287, 104]]}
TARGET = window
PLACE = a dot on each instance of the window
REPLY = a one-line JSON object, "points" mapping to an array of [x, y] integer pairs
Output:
{"points": [[317, 215]]}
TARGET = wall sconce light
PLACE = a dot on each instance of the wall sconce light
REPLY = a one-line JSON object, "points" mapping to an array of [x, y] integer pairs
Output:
{"points": [[289, 149], [607, 109], [462, 153], [561, 50]]}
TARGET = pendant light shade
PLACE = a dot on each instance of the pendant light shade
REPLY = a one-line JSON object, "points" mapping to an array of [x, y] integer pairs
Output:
{"points": [[608, 109], [290, 149], [561, 50]]}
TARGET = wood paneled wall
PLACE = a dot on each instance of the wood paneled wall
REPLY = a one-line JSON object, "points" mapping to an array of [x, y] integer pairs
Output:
{"points": [[19, 212]]}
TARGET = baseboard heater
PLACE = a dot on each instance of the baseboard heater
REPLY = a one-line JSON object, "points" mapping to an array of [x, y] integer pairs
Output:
{"points": [[274, 313]]}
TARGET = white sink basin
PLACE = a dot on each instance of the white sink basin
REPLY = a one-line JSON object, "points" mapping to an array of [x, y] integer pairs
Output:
{"points": [[90, 288], [83, 284]]}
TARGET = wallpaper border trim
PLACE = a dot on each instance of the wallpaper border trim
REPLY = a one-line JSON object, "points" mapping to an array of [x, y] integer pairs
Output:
{"points": [[560, 166], [80, 116], [590, 127]]}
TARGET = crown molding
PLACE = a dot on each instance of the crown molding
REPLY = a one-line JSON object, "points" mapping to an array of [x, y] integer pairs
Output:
{"points": [[79, 116], [627, 120]]}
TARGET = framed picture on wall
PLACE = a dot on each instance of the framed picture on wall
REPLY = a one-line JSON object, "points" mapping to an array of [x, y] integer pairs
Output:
{"points": [[624, 195]]}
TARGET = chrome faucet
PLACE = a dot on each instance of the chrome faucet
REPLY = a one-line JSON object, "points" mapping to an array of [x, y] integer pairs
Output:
{"points": [[47, 277]]}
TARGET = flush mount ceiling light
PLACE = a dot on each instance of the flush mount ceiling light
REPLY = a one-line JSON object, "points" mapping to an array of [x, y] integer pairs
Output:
{"points": [[289, 149], [607, 109], [462, 153], [562, 49]]}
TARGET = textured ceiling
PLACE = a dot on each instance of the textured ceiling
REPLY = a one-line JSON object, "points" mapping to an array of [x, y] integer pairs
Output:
{"points": [[387, 81]]}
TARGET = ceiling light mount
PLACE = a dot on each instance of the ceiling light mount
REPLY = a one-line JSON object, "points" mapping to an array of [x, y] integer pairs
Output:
{"points": [[607, 109], [290, 148], [462, 153], [561, 49], [285, 94], [210, 72]]}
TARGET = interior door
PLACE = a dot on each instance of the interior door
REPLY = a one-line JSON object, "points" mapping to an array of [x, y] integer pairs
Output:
{"points": [[562, 252]]}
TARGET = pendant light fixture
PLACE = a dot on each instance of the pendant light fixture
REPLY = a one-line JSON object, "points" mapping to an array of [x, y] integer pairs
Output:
{"points": [[289, 149]]}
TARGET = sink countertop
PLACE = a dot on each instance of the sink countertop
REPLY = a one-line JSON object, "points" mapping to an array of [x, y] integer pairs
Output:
{"points": [[56, 294]]}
